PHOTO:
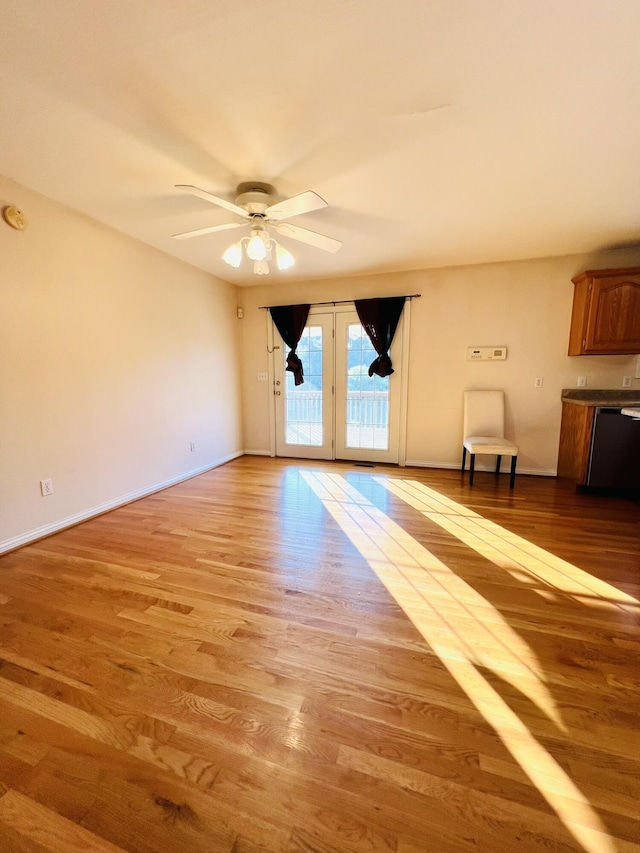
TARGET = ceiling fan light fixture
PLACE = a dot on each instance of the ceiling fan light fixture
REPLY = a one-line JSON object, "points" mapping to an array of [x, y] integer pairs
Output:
{"points": [[233, 255], [265, 247], [257, 246], [284, 258]]}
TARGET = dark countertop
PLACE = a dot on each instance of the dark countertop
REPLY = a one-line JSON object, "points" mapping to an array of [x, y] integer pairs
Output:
{"points": [[603, 397]]}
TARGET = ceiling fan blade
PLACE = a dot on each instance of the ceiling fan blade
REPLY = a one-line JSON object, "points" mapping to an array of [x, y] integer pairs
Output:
{"points": [[320, 241], [294, 206], [209, 230], [214, 199]]}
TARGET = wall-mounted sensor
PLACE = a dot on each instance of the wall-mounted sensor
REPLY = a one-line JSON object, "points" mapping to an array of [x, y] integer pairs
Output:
{"points": [[15, 218]]}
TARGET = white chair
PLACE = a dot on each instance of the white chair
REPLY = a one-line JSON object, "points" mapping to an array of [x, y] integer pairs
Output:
{"points": [[483, 431]]}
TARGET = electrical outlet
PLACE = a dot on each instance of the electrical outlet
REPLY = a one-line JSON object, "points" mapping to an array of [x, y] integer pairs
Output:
{"points": [[192, 446], [626, 382], [638, 368], [538, 382], [582, 381], [46, 487]]}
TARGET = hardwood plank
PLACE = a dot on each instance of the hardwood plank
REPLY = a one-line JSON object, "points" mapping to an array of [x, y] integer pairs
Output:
{"points": [[12, 842], [47, 828]]}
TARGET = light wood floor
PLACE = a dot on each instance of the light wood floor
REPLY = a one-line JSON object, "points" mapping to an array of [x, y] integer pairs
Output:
{"points": [[291, 657]]}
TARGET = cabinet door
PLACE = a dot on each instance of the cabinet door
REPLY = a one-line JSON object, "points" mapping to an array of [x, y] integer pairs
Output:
{"points": [[575, 441], [613, 320]]}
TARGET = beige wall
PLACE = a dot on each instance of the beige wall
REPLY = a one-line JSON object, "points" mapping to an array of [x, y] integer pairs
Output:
{"points": [[525, 305], [113, 358]]}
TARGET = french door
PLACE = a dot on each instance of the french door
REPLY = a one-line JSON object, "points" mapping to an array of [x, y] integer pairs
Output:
{"points": [[340, 412], [304, 413], [366, 408]]}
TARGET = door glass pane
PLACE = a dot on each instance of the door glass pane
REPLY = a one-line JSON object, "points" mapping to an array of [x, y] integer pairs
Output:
{"points": [[303, 403], [367, 425]]}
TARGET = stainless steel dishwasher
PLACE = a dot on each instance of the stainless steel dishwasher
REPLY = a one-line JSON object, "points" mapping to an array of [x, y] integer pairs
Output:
{"points": [[614, 459]]}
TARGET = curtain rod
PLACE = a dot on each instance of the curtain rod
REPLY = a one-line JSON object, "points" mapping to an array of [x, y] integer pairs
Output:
{"points": [[335, 302]]}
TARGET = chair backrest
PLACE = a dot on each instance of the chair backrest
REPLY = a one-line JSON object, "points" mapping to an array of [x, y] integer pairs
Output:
{"points": [[484, 413]]}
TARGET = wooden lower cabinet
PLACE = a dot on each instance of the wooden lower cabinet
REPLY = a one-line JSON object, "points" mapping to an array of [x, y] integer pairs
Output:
{"points": [[575, 441]]}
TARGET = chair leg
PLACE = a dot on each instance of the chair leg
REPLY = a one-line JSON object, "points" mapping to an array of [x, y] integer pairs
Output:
{"points": [[514, 462], [464, 457], [472, 467], [498, 463]]}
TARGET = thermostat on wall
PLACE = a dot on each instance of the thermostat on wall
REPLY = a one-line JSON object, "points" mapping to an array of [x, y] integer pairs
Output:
{"points": [[486, 353]]}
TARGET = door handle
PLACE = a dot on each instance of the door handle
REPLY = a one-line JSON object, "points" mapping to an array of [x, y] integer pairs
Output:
{"points": [[277, 393]]}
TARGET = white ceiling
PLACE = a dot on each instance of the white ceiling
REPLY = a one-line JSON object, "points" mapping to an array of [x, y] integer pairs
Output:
{"points": [[440, 132]]}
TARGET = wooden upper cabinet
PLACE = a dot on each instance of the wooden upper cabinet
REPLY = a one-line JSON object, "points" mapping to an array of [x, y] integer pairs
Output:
{"points": [[606, 313]]}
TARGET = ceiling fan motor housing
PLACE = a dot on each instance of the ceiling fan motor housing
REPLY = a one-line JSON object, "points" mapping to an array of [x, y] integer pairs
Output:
{"points": [[255, 197]]}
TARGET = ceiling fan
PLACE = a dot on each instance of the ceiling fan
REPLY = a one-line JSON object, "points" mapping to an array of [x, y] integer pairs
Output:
{"points": [[257, 207]]}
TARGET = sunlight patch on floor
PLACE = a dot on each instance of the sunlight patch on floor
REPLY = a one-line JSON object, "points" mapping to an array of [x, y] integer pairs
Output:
{"points": [[467, 632], [523, 560]]}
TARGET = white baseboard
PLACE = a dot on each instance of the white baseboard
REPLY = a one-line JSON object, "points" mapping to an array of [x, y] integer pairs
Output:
{"points": [[71, 520], [420, 463], [537, 472]]}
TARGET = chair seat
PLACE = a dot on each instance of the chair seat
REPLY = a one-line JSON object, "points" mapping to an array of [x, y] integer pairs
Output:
{"points": [[490, 444]]}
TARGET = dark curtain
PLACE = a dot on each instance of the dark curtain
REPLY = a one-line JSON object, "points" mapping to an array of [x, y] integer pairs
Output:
{"points": [[290, 321], [379, 318]]}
